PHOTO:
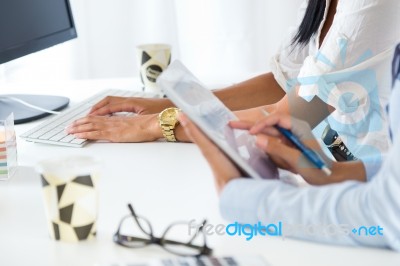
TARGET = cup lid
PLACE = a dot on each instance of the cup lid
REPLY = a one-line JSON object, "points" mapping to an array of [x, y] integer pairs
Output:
{"points": [[63, 169]]}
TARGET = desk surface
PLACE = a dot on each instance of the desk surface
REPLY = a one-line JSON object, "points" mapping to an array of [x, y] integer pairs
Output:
{"points": [[165, 182]]}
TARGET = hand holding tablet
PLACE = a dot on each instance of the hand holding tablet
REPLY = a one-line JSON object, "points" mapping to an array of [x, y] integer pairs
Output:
{"points": [[212, 117]]}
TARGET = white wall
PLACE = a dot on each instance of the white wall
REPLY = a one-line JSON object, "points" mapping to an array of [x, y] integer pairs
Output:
{"points": [[227, 40], [220, 40]]}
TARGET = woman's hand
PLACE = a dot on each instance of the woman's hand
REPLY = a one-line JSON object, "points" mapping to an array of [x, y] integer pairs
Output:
{"points": [[286, 156], [223, 168], [140, 128], [268, 136], [113, 104], [282, 151]]}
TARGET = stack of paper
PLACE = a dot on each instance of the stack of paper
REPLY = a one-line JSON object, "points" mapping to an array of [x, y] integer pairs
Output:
{"points": [[8, 148], [3, 158]]}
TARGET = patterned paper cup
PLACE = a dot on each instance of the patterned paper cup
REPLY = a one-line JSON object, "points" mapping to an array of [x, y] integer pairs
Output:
{"points": [[152, 60], [70, 193]]}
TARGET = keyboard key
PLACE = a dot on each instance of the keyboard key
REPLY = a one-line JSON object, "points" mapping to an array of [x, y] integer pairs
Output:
{"points": [[78, 141], [59, 136], [51, 133], [67, 139]]}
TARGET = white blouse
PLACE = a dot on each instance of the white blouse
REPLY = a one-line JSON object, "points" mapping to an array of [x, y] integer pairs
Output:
{"points": [[350, 70]]}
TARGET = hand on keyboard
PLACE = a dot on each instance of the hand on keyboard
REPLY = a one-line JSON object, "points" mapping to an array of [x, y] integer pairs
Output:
{"points": [[141, 128], [53, 130], [112, 104]]}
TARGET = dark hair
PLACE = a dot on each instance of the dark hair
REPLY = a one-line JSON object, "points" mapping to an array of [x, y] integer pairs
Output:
{"points": [[312, 20], [396, 64]]}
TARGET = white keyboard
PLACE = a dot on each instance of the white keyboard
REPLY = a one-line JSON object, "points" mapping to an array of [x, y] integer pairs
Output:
{"points": [[52, 130]]}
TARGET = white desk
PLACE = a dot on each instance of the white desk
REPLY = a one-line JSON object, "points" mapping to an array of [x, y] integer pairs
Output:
{"points": [[165, 182]]}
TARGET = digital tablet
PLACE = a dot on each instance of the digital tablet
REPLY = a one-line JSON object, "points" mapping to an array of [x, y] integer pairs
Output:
{"points": [[212, 117]]}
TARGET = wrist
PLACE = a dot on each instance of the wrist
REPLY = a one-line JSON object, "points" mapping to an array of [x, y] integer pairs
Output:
{"points": [[155, 130], [342, 171], [164, 104], [220, 184]]}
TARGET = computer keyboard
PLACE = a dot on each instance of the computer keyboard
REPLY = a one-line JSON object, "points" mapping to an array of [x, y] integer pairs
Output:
{"points": [[52, 130]]}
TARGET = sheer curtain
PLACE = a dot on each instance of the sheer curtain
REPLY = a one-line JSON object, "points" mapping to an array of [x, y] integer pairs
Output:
{"points": [[221, 41]]}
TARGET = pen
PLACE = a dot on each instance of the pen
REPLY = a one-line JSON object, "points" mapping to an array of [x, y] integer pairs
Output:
{"points": [[311, 155]]}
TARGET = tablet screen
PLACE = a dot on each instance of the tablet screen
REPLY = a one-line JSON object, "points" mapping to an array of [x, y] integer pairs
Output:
{"points": [[212, 117]]}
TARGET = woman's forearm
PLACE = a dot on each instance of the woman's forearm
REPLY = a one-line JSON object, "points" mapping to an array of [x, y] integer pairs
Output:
{"points": [[342, 171], [254, 114], [258, 91], [313, 112]]}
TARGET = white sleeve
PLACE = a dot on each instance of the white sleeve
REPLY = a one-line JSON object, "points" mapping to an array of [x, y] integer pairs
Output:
{"points": [[357, 47], [372, 164], [286, 63], [350, 205]]}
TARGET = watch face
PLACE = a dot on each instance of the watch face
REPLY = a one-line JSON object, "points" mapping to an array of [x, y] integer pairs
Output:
{"points": [[169, 116]]}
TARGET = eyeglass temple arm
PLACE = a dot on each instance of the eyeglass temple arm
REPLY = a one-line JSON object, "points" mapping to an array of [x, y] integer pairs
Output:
{"points": [[205, 250], [158, 240], [198, 231], [132, 238], [173, 242], [138, 223]]}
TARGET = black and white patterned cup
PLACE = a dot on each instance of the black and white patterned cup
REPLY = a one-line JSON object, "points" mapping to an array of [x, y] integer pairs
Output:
{"points": [[152, 60], [70, 193]]}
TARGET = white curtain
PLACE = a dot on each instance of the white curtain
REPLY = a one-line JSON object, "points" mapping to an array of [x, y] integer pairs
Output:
{"points": [[221, 41]]}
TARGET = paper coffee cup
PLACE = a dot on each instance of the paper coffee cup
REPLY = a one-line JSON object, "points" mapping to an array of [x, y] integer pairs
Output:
{"points": [[152, 60], [70, 193]]}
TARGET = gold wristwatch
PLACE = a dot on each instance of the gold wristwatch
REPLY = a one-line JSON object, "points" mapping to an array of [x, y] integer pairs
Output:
{"points": [[168, 121]]}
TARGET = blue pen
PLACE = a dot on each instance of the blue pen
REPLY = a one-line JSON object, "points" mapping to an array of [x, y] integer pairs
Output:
{"points": [[308, 153]]}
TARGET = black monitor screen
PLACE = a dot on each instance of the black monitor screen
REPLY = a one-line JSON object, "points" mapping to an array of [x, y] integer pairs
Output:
{"points": [[27, 26]]}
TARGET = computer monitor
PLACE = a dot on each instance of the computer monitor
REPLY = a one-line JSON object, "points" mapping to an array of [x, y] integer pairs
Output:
{"points": [[26, 27]]}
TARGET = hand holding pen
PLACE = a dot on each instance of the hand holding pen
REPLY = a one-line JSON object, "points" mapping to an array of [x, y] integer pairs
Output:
{"points": [[311, 155]]}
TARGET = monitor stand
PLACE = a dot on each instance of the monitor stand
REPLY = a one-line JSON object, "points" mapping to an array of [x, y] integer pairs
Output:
{"points": [[24, 114]]}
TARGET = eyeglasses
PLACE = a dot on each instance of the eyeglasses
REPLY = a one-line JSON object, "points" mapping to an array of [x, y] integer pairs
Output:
{"points": [[135, 231]]}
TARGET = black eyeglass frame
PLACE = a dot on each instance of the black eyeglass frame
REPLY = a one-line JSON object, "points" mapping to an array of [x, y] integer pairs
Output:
{"points": [[161, 241]]}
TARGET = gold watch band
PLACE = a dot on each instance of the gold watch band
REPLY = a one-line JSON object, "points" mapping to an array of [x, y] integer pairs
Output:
{"points": [[168, 132], [168, 121]]}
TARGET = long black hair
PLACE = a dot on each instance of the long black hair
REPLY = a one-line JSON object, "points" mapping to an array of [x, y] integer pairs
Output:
{"points": [[312, 20], [396, 64]]}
